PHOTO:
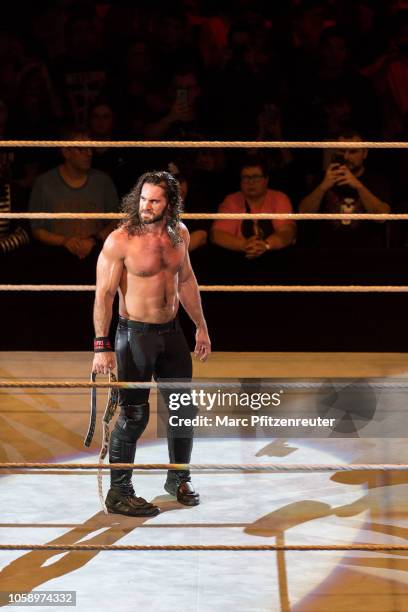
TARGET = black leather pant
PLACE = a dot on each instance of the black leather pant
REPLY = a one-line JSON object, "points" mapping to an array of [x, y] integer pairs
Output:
{"points": [[144, 350]]}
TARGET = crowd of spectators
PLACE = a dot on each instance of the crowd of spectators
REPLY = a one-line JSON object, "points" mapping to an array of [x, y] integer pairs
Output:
{"points": [[204, 70]]}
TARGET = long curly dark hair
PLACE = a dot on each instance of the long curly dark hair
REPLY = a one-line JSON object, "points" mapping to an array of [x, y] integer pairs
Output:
{"points": [[131, 204]]}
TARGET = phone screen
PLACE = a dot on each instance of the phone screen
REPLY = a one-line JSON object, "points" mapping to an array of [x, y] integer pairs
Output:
{"points": [[182, 97], [337, 158]]}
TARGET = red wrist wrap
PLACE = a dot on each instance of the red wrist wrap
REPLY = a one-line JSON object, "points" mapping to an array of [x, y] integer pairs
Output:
{"points": [[102, 345]]}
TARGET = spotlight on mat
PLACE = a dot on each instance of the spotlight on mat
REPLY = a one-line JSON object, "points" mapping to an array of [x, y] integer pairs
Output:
{"points": [[353, 404]]}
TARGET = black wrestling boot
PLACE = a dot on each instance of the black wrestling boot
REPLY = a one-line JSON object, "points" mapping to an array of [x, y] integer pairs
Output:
{"points": [[121, 451], [178, 483], [121, 497], [181, 487], [129, 505]]}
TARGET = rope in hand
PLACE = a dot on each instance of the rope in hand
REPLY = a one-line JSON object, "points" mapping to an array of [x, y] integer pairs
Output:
{"points": [[110, 409]]}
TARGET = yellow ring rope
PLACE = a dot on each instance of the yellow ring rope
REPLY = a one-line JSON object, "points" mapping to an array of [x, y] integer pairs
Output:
{"points": [[207, 144], [238, 288], [246, 467], [210, 547], [240, 216]]}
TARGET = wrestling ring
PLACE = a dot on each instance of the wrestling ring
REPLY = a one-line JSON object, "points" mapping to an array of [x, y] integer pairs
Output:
{"points": [[375, 507]]}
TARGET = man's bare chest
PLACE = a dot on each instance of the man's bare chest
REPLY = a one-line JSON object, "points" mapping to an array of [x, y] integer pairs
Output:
{"points": [[150, 257]]}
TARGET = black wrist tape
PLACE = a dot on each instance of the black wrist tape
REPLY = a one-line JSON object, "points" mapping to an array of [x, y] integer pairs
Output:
{"points": [[102, 344]]}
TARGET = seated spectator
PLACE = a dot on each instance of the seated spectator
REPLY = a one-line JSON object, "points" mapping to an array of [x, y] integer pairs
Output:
{"points": [[211, 25], [129, 84], [254, 238], [282, 166], [102, 125], [38, 109], [12, 59], [73, 186], [80, 74], [4, 120], [177, 113], [210, 179], [308, 22], [389, 76], [122, 164], [236, 90], [123, 21], [348, 187], [47, 24], [101, 122], [331, 88], [174, 39], [13, 235], [35, 115], [198, 228]]}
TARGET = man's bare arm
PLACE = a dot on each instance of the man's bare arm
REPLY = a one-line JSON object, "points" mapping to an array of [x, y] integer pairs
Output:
{"points": [[312, 202], [228, 241], [282, 237], [189, 296], [81, 247], [198, 238], [49, 238], [108, 274], [371, 203]]}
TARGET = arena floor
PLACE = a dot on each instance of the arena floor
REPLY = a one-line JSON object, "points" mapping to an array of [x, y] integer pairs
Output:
{"points": [[62, 507]]}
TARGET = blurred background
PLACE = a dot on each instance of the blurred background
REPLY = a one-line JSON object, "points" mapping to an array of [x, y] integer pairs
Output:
{"points": [[204, 70]]}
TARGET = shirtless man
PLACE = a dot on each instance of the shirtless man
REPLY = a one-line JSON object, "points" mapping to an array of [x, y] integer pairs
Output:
{"points": [[147, 260]]}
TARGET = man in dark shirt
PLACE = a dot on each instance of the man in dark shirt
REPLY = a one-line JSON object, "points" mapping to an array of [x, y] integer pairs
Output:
{"points": [[73, 187], [348, 187]]}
